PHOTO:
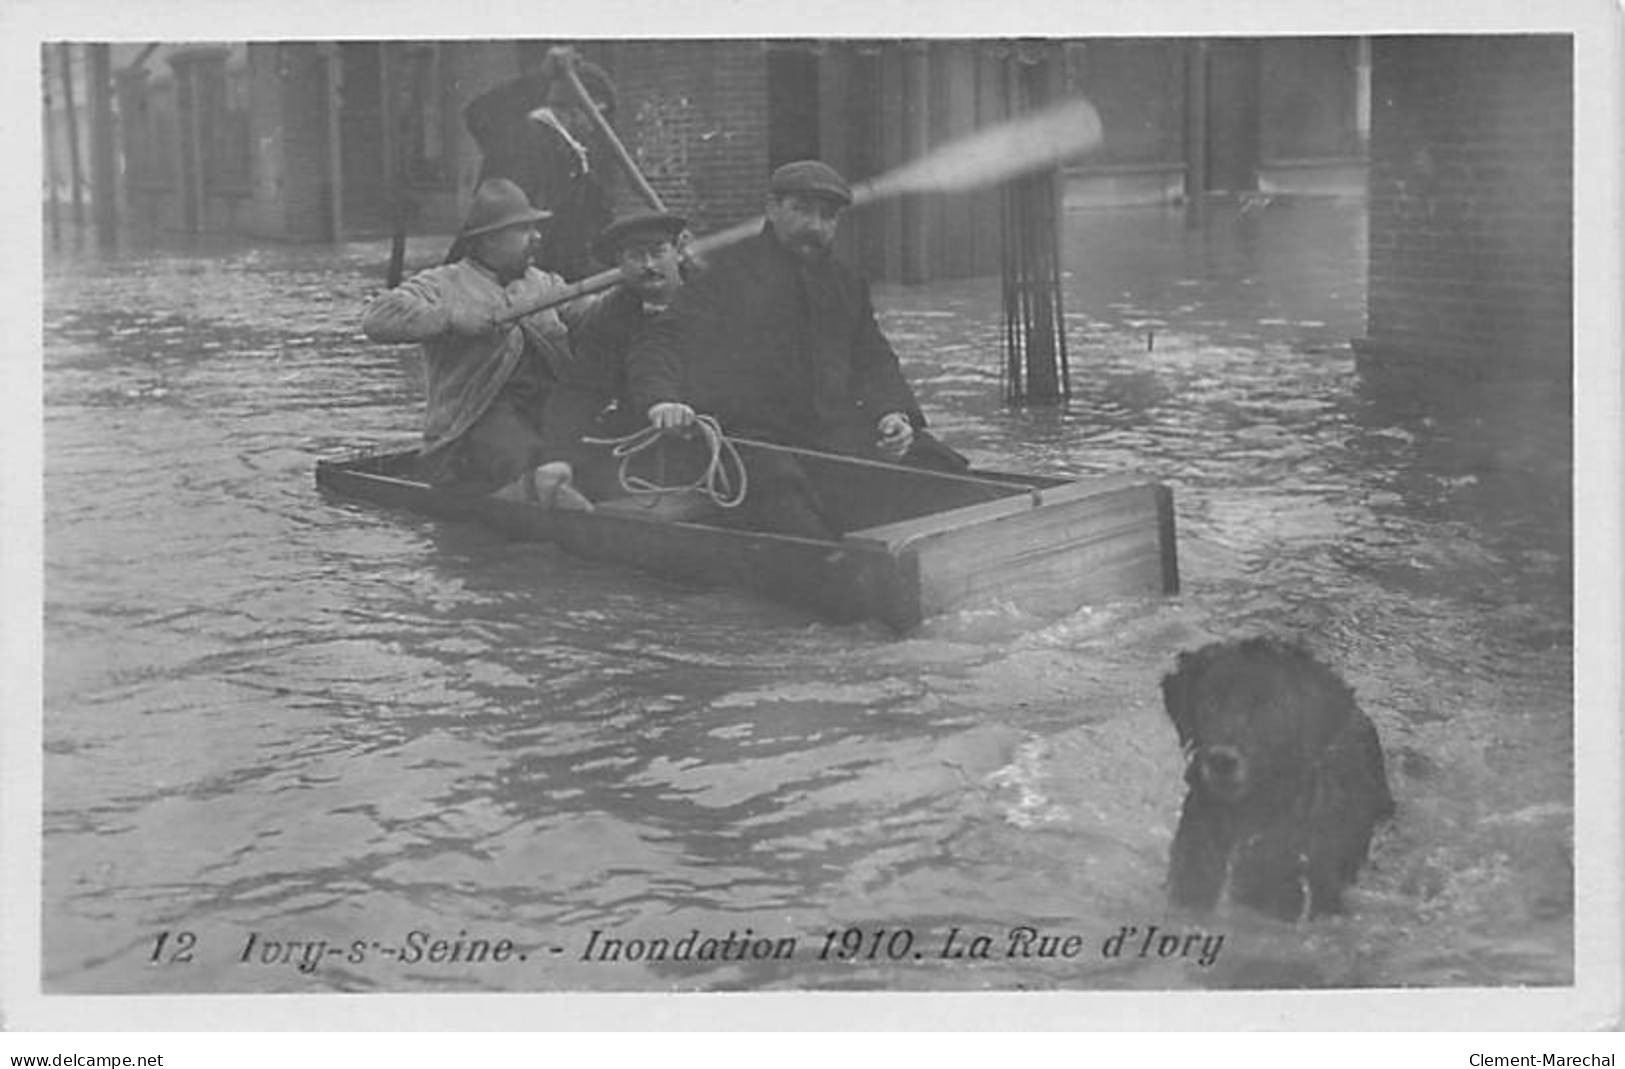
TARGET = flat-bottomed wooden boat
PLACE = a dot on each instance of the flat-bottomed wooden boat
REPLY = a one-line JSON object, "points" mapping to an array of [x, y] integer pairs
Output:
{"points": [[918, 543]]}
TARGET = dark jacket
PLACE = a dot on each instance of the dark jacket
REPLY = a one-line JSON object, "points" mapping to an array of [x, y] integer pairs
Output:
{"points": [[775, 347], [602, 337]]}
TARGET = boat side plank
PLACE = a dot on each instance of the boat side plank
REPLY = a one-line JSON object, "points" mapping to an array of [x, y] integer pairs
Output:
{"points": [[1055, 558], [902, 532], [842, 583], [948, 541]]}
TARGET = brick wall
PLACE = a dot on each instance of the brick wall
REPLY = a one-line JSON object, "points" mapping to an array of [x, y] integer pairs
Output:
{"points": [[694, 117], [1471, 200]]}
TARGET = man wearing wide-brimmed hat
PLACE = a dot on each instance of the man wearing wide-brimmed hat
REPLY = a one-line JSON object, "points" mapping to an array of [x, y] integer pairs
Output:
{"points": [[778, 341], [487, 379]]}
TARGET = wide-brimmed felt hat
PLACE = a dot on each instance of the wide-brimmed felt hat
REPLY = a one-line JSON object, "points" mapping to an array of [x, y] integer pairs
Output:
{"points": [[810, 178], [607, 245], [499, 204]]}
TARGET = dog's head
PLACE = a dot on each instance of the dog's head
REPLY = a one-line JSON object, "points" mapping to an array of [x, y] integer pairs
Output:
{"points": [[1252, 717]]}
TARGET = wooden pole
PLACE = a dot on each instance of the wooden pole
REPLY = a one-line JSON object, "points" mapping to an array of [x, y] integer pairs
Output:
{"points": [[139, 60], [395, 124], [75, 172], [607, 132], [103, 160]]}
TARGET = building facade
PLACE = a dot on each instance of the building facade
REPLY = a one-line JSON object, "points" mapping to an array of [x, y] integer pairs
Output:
{"points": [[1471, 202], [314, 141], [329, 141]]}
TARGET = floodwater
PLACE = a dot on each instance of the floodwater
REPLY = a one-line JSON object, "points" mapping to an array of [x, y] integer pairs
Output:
{"points": [[273, 719]]}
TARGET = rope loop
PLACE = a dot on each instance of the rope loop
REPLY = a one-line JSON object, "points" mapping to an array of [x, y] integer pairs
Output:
{"points": [[723, 480]]}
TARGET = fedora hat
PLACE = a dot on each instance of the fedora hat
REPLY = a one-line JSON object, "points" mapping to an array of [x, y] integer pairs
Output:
{"points": [[499, 204], [607, 245]]}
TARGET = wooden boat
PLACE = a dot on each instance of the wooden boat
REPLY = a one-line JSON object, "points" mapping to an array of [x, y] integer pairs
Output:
{"points": [[918, 543]]}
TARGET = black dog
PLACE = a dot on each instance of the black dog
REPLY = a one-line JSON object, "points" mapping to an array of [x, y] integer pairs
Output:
{"points": [[1286, 780]]}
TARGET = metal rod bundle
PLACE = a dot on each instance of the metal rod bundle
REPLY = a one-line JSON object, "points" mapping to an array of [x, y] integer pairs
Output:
{"points": [[1035, 357], [1035, 361]]}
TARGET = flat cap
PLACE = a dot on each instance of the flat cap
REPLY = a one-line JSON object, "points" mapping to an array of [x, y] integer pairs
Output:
{"points": [[609, 240], [813, 178]]}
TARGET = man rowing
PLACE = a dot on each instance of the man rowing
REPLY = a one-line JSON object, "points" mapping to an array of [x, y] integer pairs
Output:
{"points": [[487, 380], [778, 341]]}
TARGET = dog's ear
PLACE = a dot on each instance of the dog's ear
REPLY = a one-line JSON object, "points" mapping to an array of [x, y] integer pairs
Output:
{"points": [[1178, 689]]}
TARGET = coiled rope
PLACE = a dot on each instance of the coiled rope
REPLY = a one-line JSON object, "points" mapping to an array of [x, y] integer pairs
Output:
{"points": [[726, 489]]}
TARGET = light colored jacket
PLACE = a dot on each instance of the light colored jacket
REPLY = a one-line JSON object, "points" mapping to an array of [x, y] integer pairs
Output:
{"points": [[463, 373]]}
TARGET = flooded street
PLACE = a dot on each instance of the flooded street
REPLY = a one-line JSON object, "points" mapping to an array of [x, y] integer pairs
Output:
{"points": [[276, 717]]}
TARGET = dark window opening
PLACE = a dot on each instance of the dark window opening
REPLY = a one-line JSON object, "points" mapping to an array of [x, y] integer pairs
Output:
{"points": [[792, 105]]}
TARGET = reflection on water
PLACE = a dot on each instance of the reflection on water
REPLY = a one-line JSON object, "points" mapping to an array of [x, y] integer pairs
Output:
{"points": [[276, 716]]}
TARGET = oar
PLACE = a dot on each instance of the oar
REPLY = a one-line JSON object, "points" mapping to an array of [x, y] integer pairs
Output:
{"points": [[1027, 144], [607, 132]]}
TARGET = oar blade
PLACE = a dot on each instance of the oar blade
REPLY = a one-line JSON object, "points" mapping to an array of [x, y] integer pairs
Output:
{"points": [[1030, 143]]}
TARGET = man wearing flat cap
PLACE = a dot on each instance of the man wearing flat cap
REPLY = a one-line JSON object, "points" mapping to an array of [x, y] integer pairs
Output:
{"points": [[779, 342], [487, 378]]}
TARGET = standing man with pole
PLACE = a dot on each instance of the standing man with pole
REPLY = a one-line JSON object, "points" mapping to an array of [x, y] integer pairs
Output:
{"points": [[535, 131]]}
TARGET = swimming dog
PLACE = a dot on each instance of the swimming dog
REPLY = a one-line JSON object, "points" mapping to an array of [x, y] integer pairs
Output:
{"points": [[1286, 780]]}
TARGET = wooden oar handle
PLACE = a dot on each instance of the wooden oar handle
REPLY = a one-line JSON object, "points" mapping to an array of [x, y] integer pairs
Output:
{"points": [[603, 280]]}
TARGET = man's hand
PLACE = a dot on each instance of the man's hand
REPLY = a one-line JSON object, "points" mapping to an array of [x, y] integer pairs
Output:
{"points": [[669, 415], [556, 60], [527, 291], [630, 271], [896, 434]]}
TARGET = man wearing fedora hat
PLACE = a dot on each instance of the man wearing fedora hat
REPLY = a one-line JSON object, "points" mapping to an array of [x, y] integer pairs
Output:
{"points": [[487, 379], [778, 341]]}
